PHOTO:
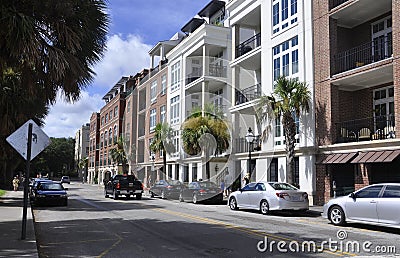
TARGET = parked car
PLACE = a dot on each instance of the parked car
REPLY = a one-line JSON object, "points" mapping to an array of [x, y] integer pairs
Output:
{"points": [[33, 185], [269, 196], [127, 185], [65, 179], [50, 193], [166, 189], [377, 204], [201, 191]]}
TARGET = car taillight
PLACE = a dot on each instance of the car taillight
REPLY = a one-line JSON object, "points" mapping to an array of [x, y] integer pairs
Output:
{"points": [[118, 186], [282, 195], [202, 191]]}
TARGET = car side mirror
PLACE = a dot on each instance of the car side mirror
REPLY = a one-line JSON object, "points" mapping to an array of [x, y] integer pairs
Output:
{"points": [[66, 188], [353, 195]]}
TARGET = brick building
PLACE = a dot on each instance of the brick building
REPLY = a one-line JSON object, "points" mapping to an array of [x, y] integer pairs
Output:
{"points": [[357, 94]]}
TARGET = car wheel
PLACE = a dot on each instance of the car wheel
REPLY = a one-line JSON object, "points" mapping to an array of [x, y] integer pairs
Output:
{"points": [[151, 194], [264, 207], [233, 203], [194, 199], [336, 215], [181, 198], [105, 193], [162, 195], [115, 195], [138, 196]]}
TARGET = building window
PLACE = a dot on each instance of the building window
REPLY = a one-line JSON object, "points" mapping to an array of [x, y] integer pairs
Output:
{"points": [[296, 174], [110, 136], [128, 106], [110, 114], [162, 114], [287, 11], [116, 111], [273, 170], [174, 115], [384, 109], [102, 120], [163, 84], [153, 92], [153, 114], [275, 14], [105, 138], [176, 76], [287, 54]]}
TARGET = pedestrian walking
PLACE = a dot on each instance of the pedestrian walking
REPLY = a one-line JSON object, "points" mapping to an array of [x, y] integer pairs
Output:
{"points": [[15, 183], [246, 178]]}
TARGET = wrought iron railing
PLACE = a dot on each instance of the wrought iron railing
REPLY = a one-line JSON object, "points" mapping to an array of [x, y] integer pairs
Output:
{"points": [[335, 3], [196, 74], [248, 94], [217, 70], [367, 53], [366, 129], [248, 45], [243, 146]]}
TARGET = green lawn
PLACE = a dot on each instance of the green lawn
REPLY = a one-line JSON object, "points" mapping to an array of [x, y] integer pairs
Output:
{"points": [[2, 192]]}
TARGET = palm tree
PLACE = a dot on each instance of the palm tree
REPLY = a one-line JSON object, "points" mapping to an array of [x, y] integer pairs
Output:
{"points": [[205, 131], [288, 99], [45, 46], [118, 155], [162, 141]]}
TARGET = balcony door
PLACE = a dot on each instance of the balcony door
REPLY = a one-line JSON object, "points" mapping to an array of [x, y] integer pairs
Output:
{"points": [[384, 110], [382, 39]]}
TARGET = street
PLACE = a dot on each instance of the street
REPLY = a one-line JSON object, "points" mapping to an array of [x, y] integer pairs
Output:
{"points": [[94, 226]]}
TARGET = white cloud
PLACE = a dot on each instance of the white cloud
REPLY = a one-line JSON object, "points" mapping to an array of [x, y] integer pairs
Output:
{"points": [[124, 57], [65, 118]]}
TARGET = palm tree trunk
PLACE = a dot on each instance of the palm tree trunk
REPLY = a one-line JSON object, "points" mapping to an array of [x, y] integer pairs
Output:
{"points": [[164, 164], [290, 133]]}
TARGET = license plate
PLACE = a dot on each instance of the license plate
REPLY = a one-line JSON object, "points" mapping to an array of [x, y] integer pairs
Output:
{"points": [[295, 198]]}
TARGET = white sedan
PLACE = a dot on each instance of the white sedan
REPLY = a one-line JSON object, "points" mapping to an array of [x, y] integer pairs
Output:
{"points": [[377, 204], [269, 196]]}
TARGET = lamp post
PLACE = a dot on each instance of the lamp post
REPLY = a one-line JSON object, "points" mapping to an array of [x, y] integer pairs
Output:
{"points": [[249, 139]]}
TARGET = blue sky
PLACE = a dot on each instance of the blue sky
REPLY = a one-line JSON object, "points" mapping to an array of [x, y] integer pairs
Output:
{"points": [[136, 26]]}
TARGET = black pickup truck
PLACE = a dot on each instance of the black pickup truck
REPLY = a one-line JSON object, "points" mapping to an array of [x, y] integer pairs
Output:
{"points": [[126, 185]]}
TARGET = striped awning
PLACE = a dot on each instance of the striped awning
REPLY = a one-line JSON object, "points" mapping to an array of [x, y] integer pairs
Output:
{"points": [[376, 156], [338, 158]]}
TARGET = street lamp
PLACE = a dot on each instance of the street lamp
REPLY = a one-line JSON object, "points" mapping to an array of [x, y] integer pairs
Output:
{"points": [[249, 139]]}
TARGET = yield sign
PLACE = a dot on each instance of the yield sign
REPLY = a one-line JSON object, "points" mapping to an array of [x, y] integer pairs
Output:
{"points": [[19, 140]]}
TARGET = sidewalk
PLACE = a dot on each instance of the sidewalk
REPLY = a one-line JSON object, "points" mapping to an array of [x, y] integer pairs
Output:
{"points": [[11, 245]]}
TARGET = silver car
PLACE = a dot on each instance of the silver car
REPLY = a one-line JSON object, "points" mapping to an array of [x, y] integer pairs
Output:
{"points": [[269, 196], [377, 204]]}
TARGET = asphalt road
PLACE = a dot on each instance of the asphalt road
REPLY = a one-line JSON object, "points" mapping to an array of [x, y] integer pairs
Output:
{"points": [[94, 226]]}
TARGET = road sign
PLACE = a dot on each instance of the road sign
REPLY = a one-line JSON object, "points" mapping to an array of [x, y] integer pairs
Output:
{"points": [[19, 140]]}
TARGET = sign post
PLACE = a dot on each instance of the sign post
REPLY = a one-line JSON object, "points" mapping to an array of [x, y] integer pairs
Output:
{"points": [[28, 140]]}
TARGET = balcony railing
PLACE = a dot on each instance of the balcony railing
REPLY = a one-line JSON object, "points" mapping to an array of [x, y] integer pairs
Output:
{"points": [[243, 146], [248, 45], [335, 3], [367, 53], [217, 70], [366, 129], [248, 94], [196, 74]]}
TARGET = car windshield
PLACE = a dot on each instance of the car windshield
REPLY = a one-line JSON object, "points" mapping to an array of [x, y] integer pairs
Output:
{"points": [[51, 187], [282, 186], [124, 177], [207, 184]]}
